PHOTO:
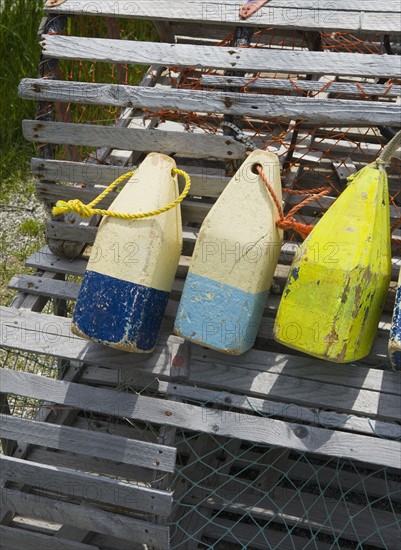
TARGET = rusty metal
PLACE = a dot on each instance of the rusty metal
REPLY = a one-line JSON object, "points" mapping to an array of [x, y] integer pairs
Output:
{"points": [[54, 3], [251, 7]]}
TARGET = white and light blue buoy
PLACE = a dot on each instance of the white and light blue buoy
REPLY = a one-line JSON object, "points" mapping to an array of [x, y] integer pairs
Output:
{"points": [[233, 263], [394, 347], [133, 263]]}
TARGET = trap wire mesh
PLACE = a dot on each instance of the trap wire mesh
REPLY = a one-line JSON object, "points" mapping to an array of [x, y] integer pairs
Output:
{"points": [[313, 156]]}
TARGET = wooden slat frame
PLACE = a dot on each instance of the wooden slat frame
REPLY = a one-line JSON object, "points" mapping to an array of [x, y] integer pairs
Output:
{"points": [[359, 16], [185, 143], [121, 449], [195, 418], [85, 517], [225, 58], [83, 486], [314, 110]]}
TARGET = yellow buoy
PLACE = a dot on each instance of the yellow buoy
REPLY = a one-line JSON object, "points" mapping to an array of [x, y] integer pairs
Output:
{"points": [[336, 288]]}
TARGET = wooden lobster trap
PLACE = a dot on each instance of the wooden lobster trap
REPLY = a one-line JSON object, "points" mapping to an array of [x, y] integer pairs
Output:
{"points": [[186, 447]]}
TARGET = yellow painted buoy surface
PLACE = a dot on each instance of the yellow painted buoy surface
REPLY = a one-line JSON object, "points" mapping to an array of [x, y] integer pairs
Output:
{"points": [[233, 263], [338, 280], [133, 263]]}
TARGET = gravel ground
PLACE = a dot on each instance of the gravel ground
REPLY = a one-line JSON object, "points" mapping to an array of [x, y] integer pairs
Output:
{"points": [[22, 221]]}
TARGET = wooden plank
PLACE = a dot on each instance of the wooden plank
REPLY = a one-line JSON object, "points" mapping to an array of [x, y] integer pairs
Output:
{"points": [[23, 330], [15, 539], [185, 143], [54, 290], [121, 449], [305, 368], [265, 407], [82, 486], [279, 14], [200, 419], [348, 481], [241, 533], [192, 211], [85, 517], [296, 85], [90, 464], [204, 182], [210, 57], [318, 111], [326, 515]]}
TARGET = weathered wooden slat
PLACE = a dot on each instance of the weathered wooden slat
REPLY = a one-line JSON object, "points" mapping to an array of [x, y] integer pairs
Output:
{"points": [[317, 111], [210, 57], [204, 182], [260, 373], [185, 143], [108, 377], [240, 533], [15, 539], [289, 85], [348, 481], [309, 15], [191, 417], [192, 211], [148, 455], [84, 517], [69, 291], [82, 486], [327, 515], [91, 464]]}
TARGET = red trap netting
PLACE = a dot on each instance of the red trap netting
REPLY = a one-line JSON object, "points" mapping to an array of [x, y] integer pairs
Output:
{"points": [[314, 155]]}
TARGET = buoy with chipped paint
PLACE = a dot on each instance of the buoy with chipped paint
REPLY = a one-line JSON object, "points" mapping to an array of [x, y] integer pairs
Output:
{"points": [[233, 263], [339, 277], [394, 347], [133, 263]]}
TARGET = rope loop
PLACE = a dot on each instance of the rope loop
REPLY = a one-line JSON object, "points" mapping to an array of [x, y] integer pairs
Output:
{"points": [[88, 210], [288, 221]]}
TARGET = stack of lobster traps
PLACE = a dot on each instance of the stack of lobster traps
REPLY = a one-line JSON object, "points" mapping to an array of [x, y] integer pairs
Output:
{"points": [[188, 448]]}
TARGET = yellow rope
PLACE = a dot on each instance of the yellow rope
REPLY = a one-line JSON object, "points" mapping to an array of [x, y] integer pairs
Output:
{"points": [[87, 210]]}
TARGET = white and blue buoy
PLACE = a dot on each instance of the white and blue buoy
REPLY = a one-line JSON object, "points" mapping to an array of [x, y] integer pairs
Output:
{"points": [[233, 263], [133, 263]]}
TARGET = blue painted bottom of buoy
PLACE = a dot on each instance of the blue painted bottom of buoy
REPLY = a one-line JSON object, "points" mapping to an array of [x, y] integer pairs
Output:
{"points": [[395, 333], [119, 313], [219, 316]]}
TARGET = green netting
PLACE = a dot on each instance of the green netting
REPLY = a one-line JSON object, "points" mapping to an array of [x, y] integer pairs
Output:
{"points": [[232, 494], [262, 497]]}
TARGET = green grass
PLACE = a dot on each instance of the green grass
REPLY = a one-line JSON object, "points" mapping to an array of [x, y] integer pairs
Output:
{"points": [[19, 55], [19, 58], [31, 227]]}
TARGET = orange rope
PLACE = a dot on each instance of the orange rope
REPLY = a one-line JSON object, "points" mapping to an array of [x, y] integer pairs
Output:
{"points": [[288, 221]]}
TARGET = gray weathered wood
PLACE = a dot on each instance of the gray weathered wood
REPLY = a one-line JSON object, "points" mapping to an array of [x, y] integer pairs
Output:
{"points": [[289, 85], [83, 486], [210, 57], [185, 143], [192, 211], [84, 517], [23, 329], [204, 182], [317, 111], [91, 464], [15, 539], [240, 533], [327, 515], [200, 419], [121, 449], [335, 16]]}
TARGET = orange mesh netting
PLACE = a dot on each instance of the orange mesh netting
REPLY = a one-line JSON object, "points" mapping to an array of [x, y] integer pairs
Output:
{"points": [[312, 156]]}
